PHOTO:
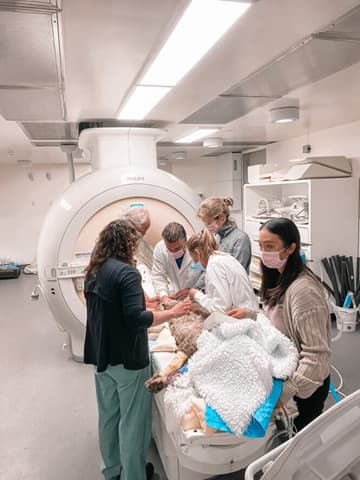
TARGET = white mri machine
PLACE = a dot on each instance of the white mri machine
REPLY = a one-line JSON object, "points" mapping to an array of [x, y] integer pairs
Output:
{"points": [[124, 175]]}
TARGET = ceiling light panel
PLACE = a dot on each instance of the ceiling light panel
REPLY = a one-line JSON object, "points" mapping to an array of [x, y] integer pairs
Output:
{"points": [[143, 99], [197, 135], [201, 26], [212, 142]]}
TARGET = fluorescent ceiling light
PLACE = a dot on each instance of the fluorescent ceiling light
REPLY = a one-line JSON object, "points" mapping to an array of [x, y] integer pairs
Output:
{"points": [[143, 99], [162, 161], [285, 120], [197, 135], [202, 25], [179, 155], [212, 142]]}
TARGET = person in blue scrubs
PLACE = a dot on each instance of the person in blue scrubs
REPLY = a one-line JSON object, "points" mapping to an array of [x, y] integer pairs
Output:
{"points": [[116, 343]]}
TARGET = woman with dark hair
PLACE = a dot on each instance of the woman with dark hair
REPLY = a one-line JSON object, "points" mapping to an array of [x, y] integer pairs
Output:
{"points": [[116, 343], [295, 302]]}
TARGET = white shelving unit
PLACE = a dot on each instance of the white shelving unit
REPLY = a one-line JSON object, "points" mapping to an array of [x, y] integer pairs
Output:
{"points": [[332, 226]]}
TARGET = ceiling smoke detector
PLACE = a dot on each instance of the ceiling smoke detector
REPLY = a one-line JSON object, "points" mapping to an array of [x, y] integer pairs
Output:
{"points": [[284, 114], [212, 142]]}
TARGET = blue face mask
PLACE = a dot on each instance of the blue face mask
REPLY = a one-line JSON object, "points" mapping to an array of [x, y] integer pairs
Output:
{"points": [[196, 266]]}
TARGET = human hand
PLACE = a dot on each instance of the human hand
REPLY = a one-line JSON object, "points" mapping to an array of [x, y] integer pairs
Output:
{"points": [[181, 308], [182, 293], [152, 303], [152, 306], [153, 299], [237, 312], [166, 299], [192, 292]]}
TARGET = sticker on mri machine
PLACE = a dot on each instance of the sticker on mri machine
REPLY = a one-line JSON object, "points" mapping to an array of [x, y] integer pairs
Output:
{"points": [[70, 271]]}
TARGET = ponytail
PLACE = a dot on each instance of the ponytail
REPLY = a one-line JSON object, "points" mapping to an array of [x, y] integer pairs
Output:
{"points": [[202, 242]]}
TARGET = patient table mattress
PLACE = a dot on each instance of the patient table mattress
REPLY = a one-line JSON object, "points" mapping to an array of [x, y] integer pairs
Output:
{"points": [[192, 455]]}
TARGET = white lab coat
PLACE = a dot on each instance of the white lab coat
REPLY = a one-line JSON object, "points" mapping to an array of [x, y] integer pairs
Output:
{"points": [[167, 277], [227, 285]]}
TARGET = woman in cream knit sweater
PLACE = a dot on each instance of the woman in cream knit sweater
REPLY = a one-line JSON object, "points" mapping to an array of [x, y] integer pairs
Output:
{"points": [[295, 302]]}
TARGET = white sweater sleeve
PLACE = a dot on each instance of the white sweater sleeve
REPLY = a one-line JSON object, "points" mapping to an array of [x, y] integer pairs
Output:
{"points": [[159, 273]]}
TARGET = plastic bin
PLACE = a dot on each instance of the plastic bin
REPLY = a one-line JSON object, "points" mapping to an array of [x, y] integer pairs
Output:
{"points": [[346, 318]]}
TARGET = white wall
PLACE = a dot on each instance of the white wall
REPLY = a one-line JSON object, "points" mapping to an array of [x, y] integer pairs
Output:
{"points": [[24, 203], [199, 174], [340, 140], [213, 177]]}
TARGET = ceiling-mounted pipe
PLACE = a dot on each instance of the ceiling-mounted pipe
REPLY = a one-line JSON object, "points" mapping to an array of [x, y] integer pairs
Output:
{"points": [[69, 149], [29, 7]]}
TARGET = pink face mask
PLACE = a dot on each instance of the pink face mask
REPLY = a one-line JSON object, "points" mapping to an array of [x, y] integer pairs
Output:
{"points": [[213, 227], [178, 254], [273, 260]]}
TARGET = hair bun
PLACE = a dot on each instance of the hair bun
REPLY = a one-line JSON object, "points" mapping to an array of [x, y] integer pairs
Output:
{"points": [[228, 201]]}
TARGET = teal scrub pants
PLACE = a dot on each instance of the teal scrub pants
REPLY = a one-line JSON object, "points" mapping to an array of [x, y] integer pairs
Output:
{"points": [[124, 407]]}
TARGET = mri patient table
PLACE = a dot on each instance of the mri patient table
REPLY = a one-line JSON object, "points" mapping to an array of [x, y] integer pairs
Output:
{"points": [[192, 455]]}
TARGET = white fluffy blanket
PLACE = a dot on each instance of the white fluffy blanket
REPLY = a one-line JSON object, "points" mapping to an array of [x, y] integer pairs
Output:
{"points": [[234, 365]]}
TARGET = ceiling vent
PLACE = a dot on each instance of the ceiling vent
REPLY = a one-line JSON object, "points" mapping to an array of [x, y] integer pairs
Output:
{"points": [[53, 134], [112, 123], [45, 134], [31, 75]]}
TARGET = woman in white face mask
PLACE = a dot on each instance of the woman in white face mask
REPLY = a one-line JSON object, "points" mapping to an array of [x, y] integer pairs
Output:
{"points": [[295, 302], [215, 214]]}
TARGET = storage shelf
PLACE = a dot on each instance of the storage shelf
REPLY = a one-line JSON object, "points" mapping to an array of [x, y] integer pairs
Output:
{"points": [[263, 220], [332, 226]]}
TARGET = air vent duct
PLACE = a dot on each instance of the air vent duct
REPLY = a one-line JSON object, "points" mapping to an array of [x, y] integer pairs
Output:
{"points": [[314, 58]]}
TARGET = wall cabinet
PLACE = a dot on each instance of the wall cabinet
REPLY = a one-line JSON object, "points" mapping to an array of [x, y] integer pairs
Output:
{"points": [[325, 211]]}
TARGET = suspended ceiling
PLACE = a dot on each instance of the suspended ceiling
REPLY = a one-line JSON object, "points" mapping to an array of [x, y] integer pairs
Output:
{"points": [[76, 60]]}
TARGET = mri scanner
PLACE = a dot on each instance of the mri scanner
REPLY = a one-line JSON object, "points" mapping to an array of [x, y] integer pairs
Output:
{"points": [[125, 175]]}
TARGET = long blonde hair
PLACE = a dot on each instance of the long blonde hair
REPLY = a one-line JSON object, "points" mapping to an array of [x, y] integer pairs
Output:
{"points": [[211, 208], [203, 243]]}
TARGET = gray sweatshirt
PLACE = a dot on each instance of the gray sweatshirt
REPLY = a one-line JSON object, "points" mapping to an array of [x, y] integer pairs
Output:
{"points": [[306, 316], [232, 240]]}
